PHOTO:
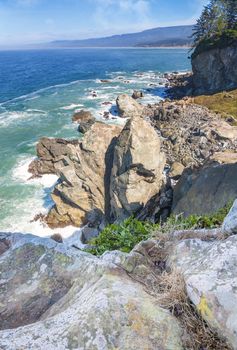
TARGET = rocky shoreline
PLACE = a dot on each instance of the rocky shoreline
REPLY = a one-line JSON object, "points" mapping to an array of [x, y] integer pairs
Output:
{"points": [[176, 291], [115, 172]]}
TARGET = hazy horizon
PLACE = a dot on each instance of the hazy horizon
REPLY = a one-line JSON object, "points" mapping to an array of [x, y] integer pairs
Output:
{"points": [[27, 22]]}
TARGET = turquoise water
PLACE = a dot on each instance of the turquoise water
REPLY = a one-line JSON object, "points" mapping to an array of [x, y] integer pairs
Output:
{"points": [[40, 91]]}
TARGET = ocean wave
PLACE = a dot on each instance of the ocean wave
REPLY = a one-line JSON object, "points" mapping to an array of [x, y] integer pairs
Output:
{"points": [[23, 218], [20, 173], [7, 118], [34, 93], [71, 106]]}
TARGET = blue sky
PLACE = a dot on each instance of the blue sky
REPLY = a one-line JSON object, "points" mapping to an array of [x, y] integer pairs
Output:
{"points": [[31, 21]]}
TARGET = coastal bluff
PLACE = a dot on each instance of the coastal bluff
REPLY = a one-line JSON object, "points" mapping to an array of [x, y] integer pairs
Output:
{"points": [[215, 70]]}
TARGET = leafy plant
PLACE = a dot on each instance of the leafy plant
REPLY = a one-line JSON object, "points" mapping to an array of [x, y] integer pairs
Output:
{"points": [[130, 232], [122, 236]]}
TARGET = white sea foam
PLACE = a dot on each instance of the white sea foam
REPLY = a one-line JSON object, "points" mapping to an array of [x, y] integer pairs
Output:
{"points": [[71, 106], [40, 203], [8, 118], [20, 173]]}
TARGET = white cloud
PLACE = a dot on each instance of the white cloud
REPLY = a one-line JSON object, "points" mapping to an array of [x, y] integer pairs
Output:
{"points": [[122, 15]]}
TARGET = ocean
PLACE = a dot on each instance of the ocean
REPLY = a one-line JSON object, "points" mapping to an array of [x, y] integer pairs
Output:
{"points": [[39, 92]]}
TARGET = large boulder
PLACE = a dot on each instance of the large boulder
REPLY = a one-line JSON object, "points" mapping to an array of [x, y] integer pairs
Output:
{"points": [[205, 190], [57, 297], [128, 107], [138, 166], [84, 175], [215, 70], [209, 270]]}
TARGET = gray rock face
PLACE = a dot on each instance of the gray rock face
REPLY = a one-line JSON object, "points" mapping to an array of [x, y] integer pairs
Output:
{"points": [[58, 298], [205, 190], [128, 107], [215, 70], [87, 191], [137, 172], [210, 270], [84, 174], [51, 154], [230, 223]]}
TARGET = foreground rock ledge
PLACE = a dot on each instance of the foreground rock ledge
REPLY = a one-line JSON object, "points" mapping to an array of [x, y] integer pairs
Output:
{"points": [[61, 298]]}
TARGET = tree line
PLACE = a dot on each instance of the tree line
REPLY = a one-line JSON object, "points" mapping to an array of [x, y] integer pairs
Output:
{"points": [[218, 17]]}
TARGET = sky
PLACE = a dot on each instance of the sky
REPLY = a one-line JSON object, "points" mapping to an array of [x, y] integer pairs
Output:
{"points": [[36, 21]]}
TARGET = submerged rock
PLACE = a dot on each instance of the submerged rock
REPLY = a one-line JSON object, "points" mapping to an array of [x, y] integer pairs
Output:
{"points": [[137, 94], [138, 166], [60, 298]]}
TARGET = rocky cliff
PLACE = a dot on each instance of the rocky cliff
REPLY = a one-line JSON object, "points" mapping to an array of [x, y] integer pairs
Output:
{"points": [[215, 70], [174, 291]]}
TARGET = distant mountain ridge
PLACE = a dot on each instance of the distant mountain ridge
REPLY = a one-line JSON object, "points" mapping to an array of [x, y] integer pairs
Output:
{"points": [[162, 36]]}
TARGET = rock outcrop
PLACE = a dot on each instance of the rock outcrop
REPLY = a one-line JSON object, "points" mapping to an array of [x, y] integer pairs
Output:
{"points": [[128, 107], [56, 297], [209, 188], [215, 70], [51, 153], [85, 120], [209, 270], [138, 165], [107, 173], [84, 177]]}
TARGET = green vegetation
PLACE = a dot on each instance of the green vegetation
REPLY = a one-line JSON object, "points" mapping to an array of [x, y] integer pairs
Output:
{"points": [[217, 41], [122, 236], [126, 235], [224, 103], [216, 27]]}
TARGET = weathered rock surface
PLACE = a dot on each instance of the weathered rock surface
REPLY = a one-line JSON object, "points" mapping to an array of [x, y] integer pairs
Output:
{"points": [[207, 189], [85, 120], [84, 175], [230, 223], [56, 297], [51, 154], [97, 179], [210, 270], [128, 107], [215, 70], [138, 165]]}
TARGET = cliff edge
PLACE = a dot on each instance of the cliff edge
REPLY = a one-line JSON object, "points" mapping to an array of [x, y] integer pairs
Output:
{"points": [[215, 70]]}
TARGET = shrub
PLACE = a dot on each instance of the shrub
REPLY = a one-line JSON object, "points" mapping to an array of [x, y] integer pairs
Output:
{"points": [[130, 232], [122, 236]]}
